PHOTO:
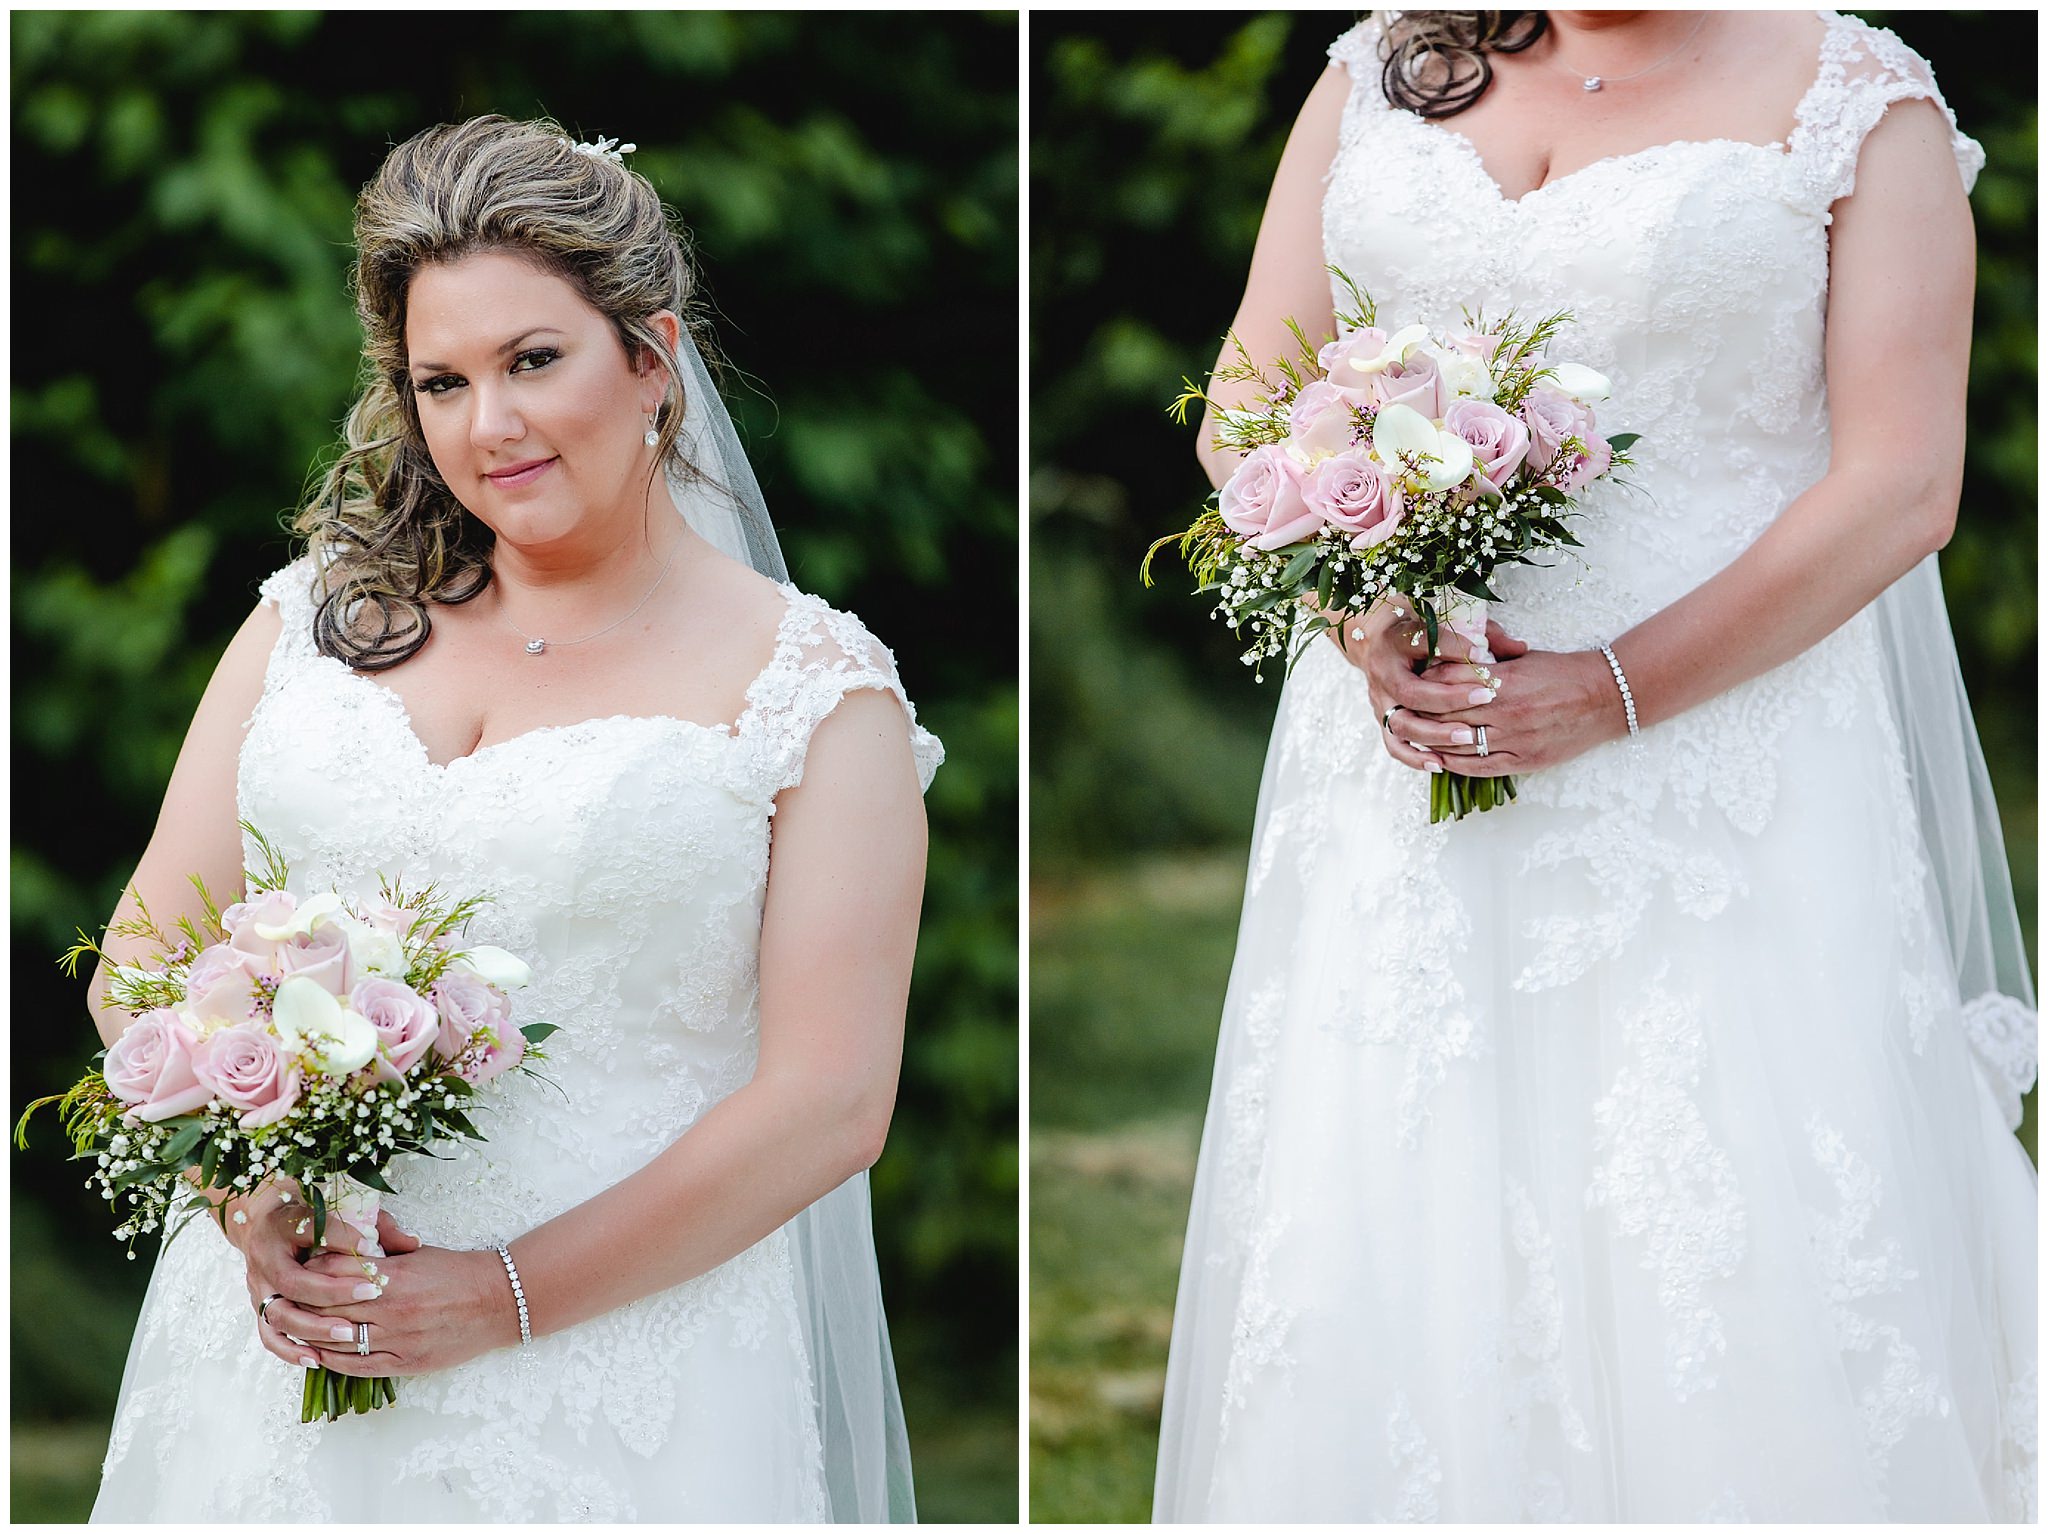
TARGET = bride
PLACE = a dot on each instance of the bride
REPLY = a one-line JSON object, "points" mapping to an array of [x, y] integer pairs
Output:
{"points": [[1641, 1150], [507, 663]]}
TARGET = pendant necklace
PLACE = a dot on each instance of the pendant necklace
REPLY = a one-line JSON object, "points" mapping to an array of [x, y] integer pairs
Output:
{"points": [[535, 645], [1600, 82]]}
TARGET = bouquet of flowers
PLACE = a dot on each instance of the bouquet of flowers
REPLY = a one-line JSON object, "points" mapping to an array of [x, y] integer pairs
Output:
{"points": [[310, 1040], [1394, 466]]}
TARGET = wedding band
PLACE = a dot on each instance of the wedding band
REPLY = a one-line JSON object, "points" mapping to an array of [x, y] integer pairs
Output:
{"points": [[1482, 740], [261, 1316], [363, 1338], [1387, 719]]}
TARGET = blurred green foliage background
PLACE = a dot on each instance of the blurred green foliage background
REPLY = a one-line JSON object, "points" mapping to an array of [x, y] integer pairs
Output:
{"points": [[1154, 139], [183, 351]]}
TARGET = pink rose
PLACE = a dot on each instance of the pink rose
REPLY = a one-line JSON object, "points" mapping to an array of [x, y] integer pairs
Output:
{"points": [[1472, 344], [386, 917], [221, 984], [1416, 383], [407, 1024], [1552, 415], [1499, 441], [272, 909], [1323, 418], [322, 955], [465, 1003], [492, 1051], [1336, 356], [247, 1069], [1262, 500], [1358, 495], [150, 1066], [1587, 465]]}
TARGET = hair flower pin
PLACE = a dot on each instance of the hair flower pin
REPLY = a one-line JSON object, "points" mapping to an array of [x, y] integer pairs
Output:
{"points": [[605, 149]]}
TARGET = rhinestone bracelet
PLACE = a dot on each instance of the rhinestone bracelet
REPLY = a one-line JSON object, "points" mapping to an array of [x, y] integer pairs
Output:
{"points": [[1628, 699], [518, 1295]]}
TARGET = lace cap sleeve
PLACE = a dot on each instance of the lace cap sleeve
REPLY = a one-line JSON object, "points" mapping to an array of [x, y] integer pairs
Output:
{"points": [[1863, 70], [821, 655], [1358, 51], [290, 591]]}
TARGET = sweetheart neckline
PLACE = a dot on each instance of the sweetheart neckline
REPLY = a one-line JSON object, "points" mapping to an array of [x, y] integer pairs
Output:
{"points": [[1777, 149], [793, 609], [403, 718]]}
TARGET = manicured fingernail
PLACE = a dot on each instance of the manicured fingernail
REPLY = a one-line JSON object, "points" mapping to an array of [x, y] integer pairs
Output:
{"points": [[1482, 655], [1434, 765], [341, 1333], [366, 1291], [1461, 736], [1480, 695], [309, 1361]]}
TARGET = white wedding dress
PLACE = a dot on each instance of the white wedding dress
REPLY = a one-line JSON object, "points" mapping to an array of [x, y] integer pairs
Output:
{"points": [[628, 858], [1627, 1153]]}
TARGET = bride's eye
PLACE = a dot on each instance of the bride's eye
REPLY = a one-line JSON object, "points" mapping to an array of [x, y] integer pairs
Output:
{"points": [[539, 358], [440, 384]]}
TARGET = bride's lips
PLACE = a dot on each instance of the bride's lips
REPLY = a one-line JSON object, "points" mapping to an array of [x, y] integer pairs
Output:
{"points": [[520, 473]]}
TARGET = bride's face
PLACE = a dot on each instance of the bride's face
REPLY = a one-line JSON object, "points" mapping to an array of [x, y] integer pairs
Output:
{"points": [[532, 411]]}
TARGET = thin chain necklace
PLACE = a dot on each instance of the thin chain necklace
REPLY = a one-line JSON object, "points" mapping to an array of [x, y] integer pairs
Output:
{"points": [[536, 645], [1597, 82]]}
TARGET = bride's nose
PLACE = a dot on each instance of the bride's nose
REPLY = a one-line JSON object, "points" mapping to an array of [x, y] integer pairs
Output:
{"points": [[494, 419]]}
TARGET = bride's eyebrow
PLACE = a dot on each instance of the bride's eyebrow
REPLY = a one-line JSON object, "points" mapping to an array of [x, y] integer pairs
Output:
{"points": [[507, 349]]}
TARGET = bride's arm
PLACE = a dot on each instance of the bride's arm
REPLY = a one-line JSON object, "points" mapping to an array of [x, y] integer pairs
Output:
{"points": [[196, 830], [845, 883], [1901, 279], [1288, 278], [846, 880]]}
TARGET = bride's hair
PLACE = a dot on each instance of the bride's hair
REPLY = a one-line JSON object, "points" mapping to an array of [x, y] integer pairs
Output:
{"points": [[383, 526], [1434, 63]]}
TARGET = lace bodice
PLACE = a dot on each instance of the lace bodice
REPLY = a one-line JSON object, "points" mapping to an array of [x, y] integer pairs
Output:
{"points": [[1697, 274], [627, 858]]}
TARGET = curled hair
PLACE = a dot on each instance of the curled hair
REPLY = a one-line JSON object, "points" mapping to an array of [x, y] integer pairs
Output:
{"points": [[1436, 61], [384, 528]]}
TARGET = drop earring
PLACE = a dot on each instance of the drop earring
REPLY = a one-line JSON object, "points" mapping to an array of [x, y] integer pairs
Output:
{"points": [[653, 436]]}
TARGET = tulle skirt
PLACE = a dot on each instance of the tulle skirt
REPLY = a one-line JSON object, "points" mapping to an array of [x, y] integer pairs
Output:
{"points": [[1622, 1154]]}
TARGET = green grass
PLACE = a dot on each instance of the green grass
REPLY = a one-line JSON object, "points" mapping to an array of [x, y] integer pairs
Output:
{"points": [[1127, 977], [56, 1470]]}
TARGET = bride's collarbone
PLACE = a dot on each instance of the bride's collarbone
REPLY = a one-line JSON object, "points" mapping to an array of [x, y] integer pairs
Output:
{"points": [[475, 685], [1534, 127]]}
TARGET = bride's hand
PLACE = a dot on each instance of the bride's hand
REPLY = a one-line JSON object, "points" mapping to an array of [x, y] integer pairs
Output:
{"points": [[272, 1227], [439, 1308], [1551, 705], [1385, 644]]}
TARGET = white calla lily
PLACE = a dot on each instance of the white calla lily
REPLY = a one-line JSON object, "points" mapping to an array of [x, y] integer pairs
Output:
{"points": [[1396, 349], [1582, 383], [494, 966], [309, 1018], [1443, 459], [310, 914]]}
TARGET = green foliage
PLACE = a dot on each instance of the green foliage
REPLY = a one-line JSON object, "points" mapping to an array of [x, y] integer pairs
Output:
{"points": [[185, 348]]}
